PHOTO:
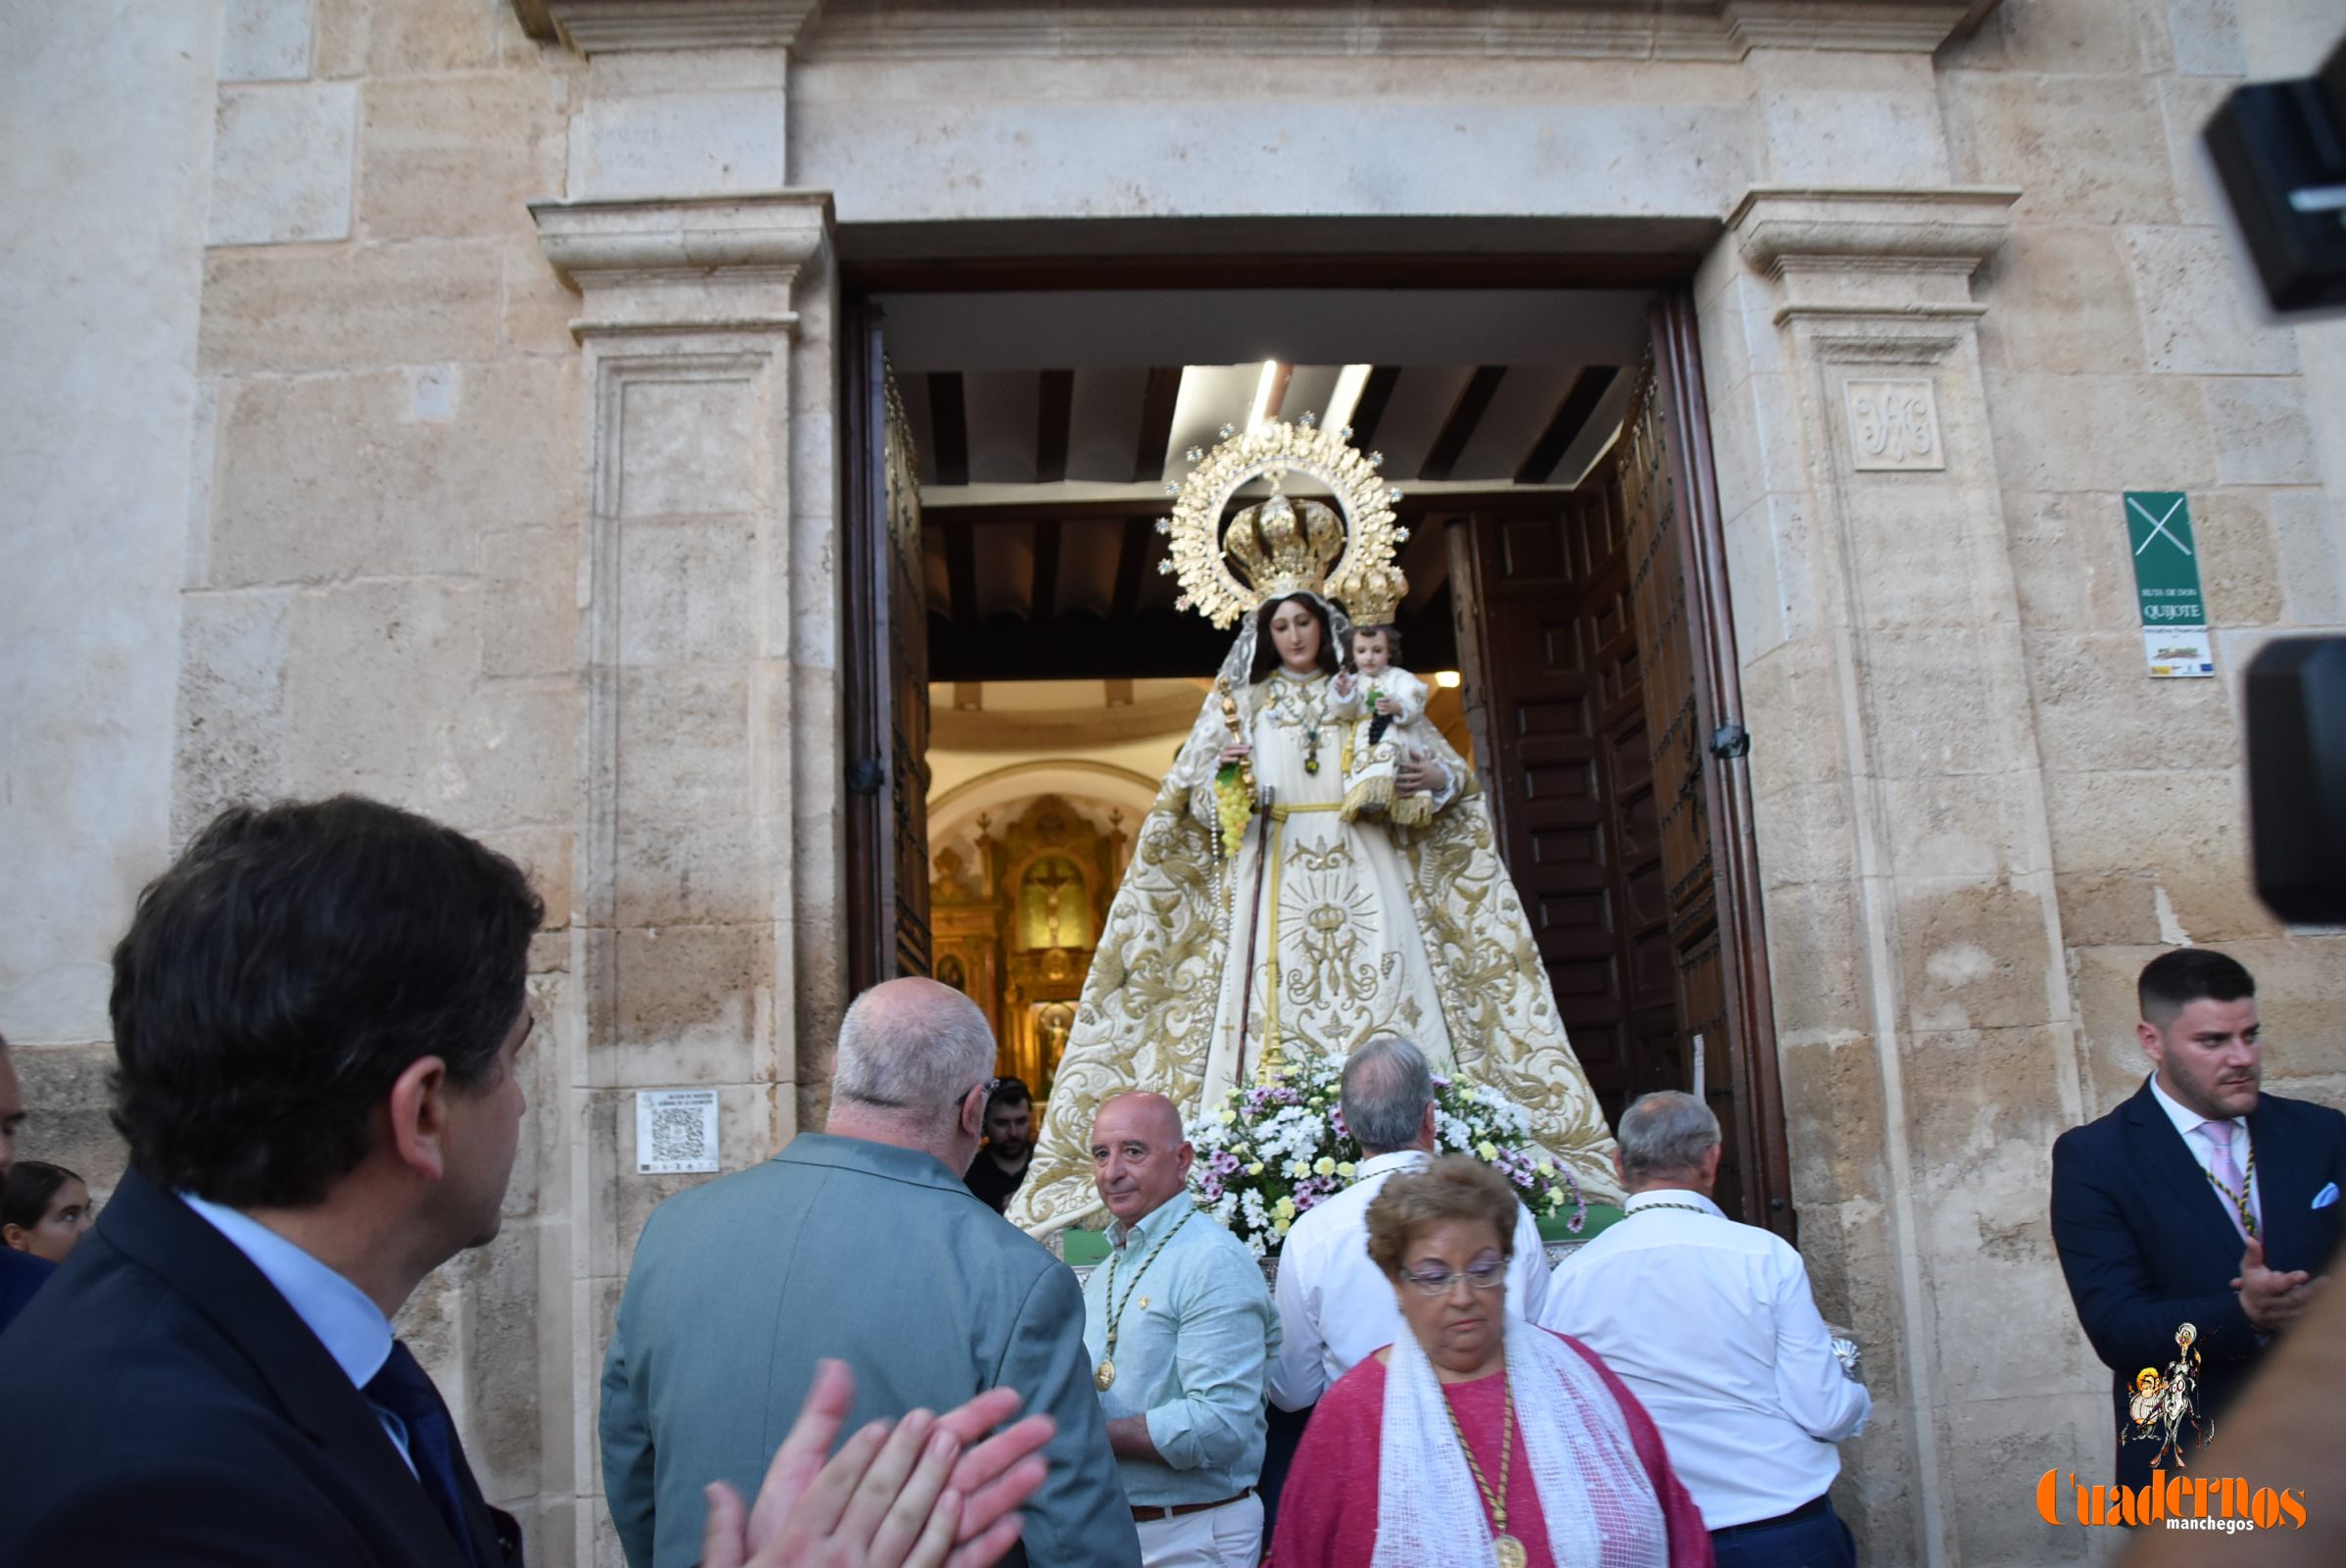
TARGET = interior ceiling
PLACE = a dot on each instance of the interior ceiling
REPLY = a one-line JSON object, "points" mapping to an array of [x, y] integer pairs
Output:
{"points": [[1049, 425]]}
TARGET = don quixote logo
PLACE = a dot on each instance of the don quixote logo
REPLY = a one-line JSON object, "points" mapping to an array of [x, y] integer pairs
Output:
{"points": [[2164, 1409]]}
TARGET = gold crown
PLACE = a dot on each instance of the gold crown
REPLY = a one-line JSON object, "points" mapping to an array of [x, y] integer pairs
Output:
{"points": [[1375, 595], [1285, 547]]}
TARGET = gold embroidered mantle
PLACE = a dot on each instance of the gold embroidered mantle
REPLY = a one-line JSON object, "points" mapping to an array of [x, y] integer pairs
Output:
{"points": [[1363, 928]]}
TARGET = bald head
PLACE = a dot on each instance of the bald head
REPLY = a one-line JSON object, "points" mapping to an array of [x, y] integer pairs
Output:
{"points": [[1139, 1159], [913, 1046]]}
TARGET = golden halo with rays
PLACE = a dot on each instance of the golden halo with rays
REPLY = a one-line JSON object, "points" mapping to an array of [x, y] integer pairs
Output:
{"points": [[1362, 498]]}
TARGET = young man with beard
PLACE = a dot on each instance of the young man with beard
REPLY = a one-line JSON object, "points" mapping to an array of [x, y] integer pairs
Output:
{"points": [[2200, 1200], [1001, 1165]]}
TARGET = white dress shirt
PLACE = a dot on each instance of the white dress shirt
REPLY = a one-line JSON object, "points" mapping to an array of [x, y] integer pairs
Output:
{"points": [[345, 1318], [1712, 1326], [1337, 1308], [2188, 1123]]}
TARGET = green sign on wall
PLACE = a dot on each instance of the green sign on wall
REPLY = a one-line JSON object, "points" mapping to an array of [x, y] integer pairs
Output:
{"points": [[2174, 615]]}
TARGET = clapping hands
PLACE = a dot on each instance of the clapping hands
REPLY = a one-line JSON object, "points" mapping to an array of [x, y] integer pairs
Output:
{"points": [[925, 1493]]}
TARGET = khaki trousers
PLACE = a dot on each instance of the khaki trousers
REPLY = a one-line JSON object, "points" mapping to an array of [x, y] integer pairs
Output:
{"points": [[1228, 1537]]}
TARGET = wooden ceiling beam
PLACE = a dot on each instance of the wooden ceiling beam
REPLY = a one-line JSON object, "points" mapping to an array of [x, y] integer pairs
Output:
{"points": [[1044, 596], [949, 426], [1369, 411], [960, 573], [1564, 426], [1055, 418], [1132, 564], [1156, 423], [1474, 399]]}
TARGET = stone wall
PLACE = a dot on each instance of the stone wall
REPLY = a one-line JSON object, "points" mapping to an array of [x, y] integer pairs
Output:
{"points": [[100, 279], [384, 563]]}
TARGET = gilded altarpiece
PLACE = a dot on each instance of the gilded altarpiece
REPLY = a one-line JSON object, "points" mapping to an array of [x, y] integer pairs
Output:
{"points": [[1016, 920]]}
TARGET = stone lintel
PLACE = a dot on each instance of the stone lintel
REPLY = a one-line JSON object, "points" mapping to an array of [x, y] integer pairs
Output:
{"points": [[1596, 28], [711, 263], [1866, 250], [1887, 26], [611, 27]]}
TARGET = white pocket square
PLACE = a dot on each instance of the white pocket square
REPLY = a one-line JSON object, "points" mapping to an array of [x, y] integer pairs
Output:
{"points": [[2326, 1197]]}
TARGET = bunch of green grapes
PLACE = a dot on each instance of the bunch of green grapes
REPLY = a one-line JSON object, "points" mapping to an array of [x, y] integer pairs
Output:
{"points": [[1234, 805]]}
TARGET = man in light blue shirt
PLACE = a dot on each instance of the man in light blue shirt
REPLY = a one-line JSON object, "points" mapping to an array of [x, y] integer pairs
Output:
{"points": [[1180, 1332]]}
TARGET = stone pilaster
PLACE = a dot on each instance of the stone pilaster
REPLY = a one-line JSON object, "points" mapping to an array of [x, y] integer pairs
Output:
{"points": [[1926, 1026], [704, 875]]}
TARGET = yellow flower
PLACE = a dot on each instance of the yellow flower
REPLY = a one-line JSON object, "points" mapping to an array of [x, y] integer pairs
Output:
{"points": [[1325, 1167], [1346, 1170], [1278, 1227], [1254, 1169], [1487, 1148], [1285, 1209], [1228, 1116]]}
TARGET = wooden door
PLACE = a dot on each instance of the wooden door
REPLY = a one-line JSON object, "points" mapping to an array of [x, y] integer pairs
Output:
{"points": [[1564, 728], [1598, 669], [884, 601]]}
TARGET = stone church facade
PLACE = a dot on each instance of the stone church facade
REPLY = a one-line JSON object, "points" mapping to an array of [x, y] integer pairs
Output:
{"points": [[440, 399]]}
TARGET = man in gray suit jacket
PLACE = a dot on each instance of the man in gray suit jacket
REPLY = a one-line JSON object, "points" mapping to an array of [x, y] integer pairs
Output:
{"points": [[860, 1242]]}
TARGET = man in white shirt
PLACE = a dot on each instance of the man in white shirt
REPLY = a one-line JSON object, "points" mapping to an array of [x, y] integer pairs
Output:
{"points": [[1335, 1307], [1712, 1325]]}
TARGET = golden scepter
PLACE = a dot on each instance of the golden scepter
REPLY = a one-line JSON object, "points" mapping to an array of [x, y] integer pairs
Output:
{"points": [[1234, 782]]}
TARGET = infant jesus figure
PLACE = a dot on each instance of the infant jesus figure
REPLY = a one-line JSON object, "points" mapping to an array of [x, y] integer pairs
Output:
{"points": [[1381, 710]]}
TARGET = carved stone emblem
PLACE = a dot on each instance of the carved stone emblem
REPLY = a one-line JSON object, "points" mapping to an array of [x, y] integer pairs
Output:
{"points": [[1892, 424]]}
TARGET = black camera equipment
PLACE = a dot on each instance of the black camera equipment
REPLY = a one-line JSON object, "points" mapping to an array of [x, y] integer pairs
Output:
{"points": [[2297, 777], [2280, 150]]}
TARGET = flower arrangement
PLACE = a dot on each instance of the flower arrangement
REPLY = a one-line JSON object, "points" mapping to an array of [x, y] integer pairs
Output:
{"points": [[1274, 1150]]}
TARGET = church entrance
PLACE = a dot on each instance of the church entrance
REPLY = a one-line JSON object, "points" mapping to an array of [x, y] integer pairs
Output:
{"points": [[1021, 674]]}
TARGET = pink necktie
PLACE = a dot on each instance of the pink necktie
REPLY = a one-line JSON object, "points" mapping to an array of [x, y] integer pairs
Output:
{"points": [[2226, 1169]]}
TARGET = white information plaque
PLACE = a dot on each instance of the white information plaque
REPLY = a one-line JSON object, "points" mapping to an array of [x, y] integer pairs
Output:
{"points": [[675, 1130]]}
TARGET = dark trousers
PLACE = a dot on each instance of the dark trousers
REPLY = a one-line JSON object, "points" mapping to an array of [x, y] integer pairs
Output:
{"points": [[1820, 1541], [1278, 1452]]}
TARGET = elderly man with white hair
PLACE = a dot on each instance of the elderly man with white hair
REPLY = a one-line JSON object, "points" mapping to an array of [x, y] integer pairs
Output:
{"points": [[1336, 1306], [1712, 1325], [860, 1244]]}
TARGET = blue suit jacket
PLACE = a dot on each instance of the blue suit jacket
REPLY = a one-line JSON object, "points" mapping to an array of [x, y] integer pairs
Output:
{"points": [[164, 1405], [21, 1274], [878, 1255], [2147, 1246]]}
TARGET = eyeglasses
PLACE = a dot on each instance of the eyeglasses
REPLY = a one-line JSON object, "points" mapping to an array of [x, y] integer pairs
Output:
{"points": [[1483, 1274], [988, 1086]]}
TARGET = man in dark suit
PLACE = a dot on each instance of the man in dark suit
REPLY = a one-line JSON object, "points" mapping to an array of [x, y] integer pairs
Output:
{"points": [[317, 1016], [2199, 1201]]}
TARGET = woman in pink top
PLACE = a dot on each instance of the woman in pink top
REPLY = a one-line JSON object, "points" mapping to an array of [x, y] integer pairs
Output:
{"points": [[1477, 1440]]}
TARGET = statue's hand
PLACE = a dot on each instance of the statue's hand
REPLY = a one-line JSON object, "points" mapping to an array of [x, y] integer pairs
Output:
{"points": [[1417, 776], [1343, 686], [1236, 750]]}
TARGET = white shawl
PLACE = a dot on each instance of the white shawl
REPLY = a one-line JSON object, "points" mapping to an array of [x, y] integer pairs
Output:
{"points": [[1594, 1495]]}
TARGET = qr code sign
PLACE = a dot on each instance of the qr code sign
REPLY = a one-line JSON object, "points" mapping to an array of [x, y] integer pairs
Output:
{"points": [[675, 1130]]}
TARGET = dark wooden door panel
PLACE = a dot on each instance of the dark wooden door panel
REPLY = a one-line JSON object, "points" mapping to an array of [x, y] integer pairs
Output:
{"points": [[1595, 649]]}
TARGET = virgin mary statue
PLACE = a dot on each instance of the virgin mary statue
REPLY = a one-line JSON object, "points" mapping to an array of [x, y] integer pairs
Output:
{"points": [[1256, 925]]}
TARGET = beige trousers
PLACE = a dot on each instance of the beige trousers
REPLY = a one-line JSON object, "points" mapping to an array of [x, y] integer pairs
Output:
{"points": [[1228, 1537]]}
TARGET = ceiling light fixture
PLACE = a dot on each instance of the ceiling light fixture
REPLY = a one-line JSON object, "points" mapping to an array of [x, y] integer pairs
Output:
{"points": [[1350, 382], [1268, 389]]}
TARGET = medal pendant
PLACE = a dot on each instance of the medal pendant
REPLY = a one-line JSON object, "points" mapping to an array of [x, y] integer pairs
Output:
{"points": [[1509, 1551], [1107, 1375]]}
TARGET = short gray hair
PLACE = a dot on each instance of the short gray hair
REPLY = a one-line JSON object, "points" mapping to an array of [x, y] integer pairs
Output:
{"points": [[1664, 1133], [1387, 1087], [912, 1045]]}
